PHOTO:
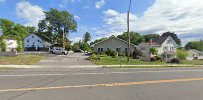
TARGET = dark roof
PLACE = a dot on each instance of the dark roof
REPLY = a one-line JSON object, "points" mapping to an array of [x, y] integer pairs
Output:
{"points": [[161, 39]]}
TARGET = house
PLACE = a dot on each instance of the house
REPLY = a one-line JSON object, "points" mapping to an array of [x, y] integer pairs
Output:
{"points": [[113, 43], [11, 44], [194, 54], [165, 45], [35, 43]]}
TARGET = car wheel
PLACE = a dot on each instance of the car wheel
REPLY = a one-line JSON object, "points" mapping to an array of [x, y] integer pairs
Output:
{"points": [[63, 53]]}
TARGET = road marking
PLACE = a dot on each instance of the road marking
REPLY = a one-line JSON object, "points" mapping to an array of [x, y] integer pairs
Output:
{"points": [[150, 71], [105, 85]]}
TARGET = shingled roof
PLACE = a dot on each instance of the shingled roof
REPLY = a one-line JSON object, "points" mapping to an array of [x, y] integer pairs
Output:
{"points": [[161, 39]]}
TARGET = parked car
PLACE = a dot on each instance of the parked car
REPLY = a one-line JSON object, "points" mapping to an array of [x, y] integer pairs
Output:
{"points": [[58, 50]]}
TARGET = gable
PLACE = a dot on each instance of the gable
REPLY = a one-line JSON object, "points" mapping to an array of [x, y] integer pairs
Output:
{"points": [[112, 41], [35, 37], [170, 41]]}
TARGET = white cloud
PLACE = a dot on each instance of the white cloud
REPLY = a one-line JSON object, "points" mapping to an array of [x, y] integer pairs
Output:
{"points": [[65, 2], [77, 17], [31, 13], [75, 39], [99, 4], [180, 16]]}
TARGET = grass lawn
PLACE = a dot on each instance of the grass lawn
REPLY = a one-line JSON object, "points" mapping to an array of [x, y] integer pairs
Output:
{"points": [[107, 60], [20, 60], [5, 68]]}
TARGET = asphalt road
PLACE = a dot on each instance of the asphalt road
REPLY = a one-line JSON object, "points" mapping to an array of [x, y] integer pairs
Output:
{"points": [[102, 84]]}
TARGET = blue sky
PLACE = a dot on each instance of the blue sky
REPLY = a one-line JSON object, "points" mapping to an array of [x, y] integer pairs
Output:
{"points": [[108, 17]]}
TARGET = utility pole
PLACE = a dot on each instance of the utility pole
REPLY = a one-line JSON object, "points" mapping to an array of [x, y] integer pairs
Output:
{"points": [[63, 37], [128, 26]]}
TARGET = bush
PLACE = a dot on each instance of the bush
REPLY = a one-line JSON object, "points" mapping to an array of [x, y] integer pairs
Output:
{"points": [[158, 58], [94, 56], [182, 54], [136, 54], [153, 59], [175, 60], [110, 53]]}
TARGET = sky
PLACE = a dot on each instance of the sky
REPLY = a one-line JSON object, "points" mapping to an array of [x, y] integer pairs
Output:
{"points": [[103, 18]]}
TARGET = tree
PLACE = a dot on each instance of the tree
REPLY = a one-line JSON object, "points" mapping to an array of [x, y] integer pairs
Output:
{"points": [[86, 37], [135, 38], [31, 29], [181, 54], [55, 22], [136, 54], [198, 45], [150, 36], [153, 51], [76, 47], [174, 36]]}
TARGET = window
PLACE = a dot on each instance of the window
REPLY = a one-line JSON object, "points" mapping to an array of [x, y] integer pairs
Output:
{"points": [[108, 49], [33, 36], [27, 45], [126, 49], [102, 49], [27, 41], [33, 43], [164, 48], [99, 50], [172, 48], [117, 49], [38, 40]]}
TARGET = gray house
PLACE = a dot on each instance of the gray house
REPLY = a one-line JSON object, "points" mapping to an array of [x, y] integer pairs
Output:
{"points": [[113, 43]]}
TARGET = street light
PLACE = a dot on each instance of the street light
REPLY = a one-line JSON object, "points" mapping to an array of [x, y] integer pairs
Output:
{"points": [[128, 26]]}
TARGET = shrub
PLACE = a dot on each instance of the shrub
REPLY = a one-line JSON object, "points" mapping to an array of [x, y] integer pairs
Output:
{"points": [[136, 54], [181, 54], [110, 52], [153, 51], [175, 60], [94, 56], [153, 59], [158, 58]]}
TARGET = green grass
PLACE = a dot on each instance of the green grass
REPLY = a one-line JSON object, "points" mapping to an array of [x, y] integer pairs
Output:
{"points": [[5, 68], [20, 60], [107, 60]]}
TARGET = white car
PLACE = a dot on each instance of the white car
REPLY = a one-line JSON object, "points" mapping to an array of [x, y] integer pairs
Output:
{"points": [[58, 50]]}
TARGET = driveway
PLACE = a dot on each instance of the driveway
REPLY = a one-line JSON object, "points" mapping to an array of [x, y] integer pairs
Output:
{"points": [[70, 59]]}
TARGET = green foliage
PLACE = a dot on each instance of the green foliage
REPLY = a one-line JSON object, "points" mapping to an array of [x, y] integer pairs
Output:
{"points": [[57, 20], [76, 47], [110, 52], [20, 46], [86, 37], [181, 54], [135, 37], [136, 54], [198, 45], [85, 46], [153, 51], [150, 36]]}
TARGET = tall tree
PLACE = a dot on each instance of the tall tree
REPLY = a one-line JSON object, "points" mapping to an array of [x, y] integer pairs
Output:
{"points": [[31, 29], [174, 36], [86, 37], [135, 37], [198, 45], [55, 22], [150, 36]]}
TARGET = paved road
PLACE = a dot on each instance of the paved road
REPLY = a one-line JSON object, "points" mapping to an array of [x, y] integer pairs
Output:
{"points": [[70, 59], [102, 84]]}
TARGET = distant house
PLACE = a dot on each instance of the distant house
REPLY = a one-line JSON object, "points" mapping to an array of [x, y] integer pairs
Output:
{"points": [[166, 47], [194, 54], [11, 44], [113, 43], [35, 43]]}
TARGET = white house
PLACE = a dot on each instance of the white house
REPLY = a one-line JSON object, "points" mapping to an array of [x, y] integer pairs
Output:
{"points": [[35, 43], [11, 44], [166, 47], [113, 43], [194, 54]]}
